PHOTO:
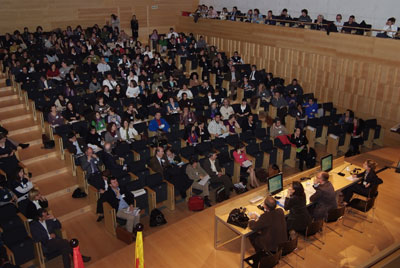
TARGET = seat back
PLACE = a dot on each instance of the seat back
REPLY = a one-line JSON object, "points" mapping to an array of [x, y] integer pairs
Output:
{"points": [[110, 219], [335, 214], [269, 261], [288, 246], [313, 228]]}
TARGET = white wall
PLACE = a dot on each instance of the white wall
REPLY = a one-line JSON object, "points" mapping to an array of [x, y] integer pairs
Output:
{"points": [[372, 11]]}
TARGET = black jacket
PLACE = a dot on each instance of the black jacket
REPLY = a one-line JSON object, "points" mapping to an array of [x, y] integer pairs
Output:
{"points": [[298, 218], [110, 197]]}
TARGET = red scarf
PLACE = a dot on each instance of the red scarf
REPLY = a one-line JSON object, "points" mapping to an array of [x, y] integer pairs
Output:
{"points": [[158, 122]]}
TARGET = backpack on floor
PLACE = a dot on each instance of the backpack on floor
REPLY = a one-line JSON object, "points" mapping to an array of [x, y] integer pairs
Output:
{"points": [[311, 158], [157, 218], [196, 203]]}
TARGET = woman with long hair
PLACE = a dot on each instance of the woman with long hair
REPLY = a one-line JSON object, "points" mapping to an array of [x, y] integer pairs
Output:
{"points": [[295, 202]]}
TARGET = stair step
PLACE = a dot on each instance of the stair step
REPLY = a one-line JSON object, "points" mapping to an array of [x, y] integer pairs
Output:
{"points": [[33, 137], [9, 104], [8, 97], [17, 118], [76, 206], [35, 153], [21, 126], [56, 186], [54, 166], [14, 113], [6, 91]]}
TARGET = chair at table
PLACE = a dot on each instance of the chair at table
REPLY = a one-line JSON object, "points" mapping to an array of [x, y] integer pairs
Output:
{"points": [[264, 260], [289, 247], [312, 230], [335, 215]]}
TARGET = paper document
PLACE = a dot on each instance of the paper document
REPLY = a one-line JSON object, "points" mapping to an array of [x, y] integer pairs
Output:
{"points": [[204, 180], [350, 178], [281, 202], [139, 192], [180, 164], [247, 163], [224, 135]]}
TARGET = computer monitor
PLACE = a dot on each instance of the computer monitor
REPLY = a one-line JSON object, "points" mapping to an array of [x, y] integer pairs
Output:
{"points": [[275, 184], [326, 163]]}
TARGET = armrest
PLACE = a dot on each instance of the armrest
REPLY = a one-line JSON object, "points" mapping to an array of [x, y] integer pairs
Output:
{"points": [[120, 161], [26, 223], [3, 173], [171, 195], [10, 255], [184, 159], [133, 176], [151, 198], [151, 171]]}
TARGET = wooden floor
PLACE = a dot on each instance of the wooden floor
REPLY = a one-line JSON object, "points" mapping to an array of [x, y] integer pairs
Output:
{"points": [[189, 242]]}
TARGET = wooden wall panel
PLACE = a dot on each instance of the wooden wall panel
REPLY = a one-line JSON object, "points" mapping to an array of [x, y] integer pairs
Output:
{"points": [[51, 14], [354, 72]]}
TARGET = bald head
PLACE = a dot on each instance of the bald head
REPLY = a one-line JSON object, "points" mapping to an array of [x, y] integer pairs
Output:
{"points": [[270, 203]]}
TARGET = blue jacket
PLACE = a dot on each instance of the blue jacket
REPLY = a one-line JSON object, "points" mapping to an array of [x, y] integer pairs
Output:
{"points": [[311, 110], [153, 126]]}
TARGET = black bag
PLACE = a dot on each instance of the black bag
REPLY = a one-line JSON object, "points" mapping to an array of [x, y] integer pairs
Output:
{"points": [[262, 174], [23, 251], [311, 158], [78, 193], [157, 218], [47, 143], [8, 82], [220, 195], [238, 217]]}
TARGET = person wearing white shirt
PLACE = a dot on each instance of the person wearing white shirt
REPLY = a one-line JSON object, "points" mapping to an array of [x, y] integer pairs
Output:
{"points": [[389, 30], [110, 82], [132, 77], [339, 22], [148, 52], [172, 33], [217, 127], [189, 93], [127, 131], [226, 110], [133, 90], [103, 66]]}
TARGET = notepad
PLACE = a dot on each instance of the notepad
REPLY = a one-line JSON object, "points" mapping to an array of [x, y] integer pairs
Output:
{"points": [[139, 192], [247, 163], [204, 180]]}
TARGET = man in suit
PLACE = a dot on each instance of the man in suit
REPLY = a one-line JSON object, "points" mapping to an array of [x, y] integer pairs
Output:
{"points": [[76, 146], [43, 230], [159, 161], [213, 169], [101, 185], [324, 197], [233, 77], [270, 227], [254, 76], [91, 163], [349, 24], [122, 202], [44, 84]]}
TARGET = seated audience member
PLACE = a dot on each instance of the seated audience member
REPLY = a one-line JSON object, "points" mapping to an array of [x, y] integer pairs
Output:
{"points": [[103, 66], [56, 120], [347, 118], [36, 202], [347, 26], [127, 131], [304, 19], [217, 127], [175, 174], [196, 173], [236, 58], [44, 230], [202, 131], [389, 30], [295, 202], [122, 202], [248, 124], [61, 103], [113, 117], [301, 118], [300, 140], [320, 23], [158, 123], [187, 117], [101, 186], [159, 162], [173, 106], [94, 85], [368, 179], [284, 16], [185, 102], [186, 91], [8, 160], [356, 139], [269, 228], [193, 82], [99, 123], [133, 90], [21, 185], [93, 138], [244, 110], [91, 164], [294, 87], [130, 113], [112, 135], [213, 169], [233, 14], [76, 146], [270, 19], [324, 198], [234, 78], [280, 103], [231, 124], [191, 136], [226, 110], [311, 108], [338, 23], [278, 129], [110, 161], [240, 157]]}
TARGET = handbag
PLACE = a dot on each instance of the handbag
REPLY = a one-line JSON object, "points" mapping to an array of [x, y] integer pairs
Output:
{"points": [[196, 203], [238, 217]]}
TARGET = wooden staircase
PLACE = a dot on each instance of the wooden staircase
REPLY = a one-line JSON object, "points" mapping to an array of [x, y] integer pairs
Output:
{"points": [[50, 174]]}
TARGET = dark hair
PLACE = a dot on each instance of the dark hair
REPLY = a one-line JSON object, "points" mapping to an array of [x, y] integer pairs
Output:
{"points": [[109, 179], [239, 145], [325, 176], [392, 19], [353, 17], [304, 11], [40, 212], [298, 189], [110, 125], [284, 10], [193, 160]]}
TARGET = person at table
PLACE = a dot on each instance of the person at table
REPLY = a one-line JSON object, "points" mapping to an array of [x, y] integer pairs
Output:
{"points": [[158, 123], [295, 202], [196, 173], [240, 157], [324, 198], [300, 140], [368, 180], [213, 169], [269, 229]]}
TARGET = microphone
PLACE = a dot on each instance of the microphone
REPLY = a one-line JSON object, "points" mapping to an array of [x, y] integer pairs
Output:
{"points": [[341, 173]]}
